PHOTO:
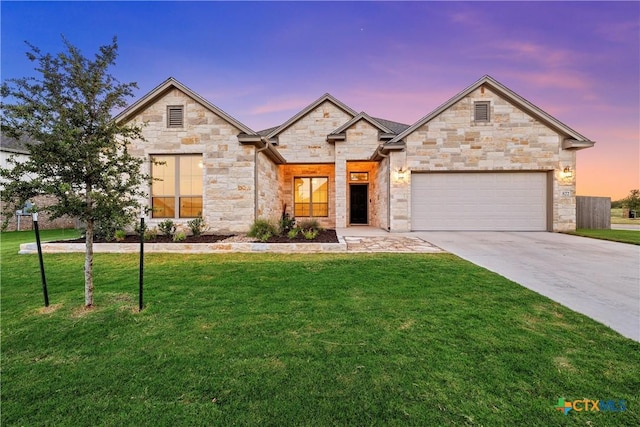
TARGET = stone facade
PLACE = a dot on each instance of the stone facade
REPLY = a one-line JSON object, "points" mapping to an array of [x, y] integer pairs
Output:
{"points": [[228, 166], [511, 141], [305, 141], [249, 175]]}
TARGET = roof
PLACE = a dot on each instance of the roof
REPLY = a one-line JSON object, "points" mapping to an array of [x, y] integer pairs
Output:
{"points": [[315, 104], [169, 84], [395, 127], [510, 96], [14, 145], [362, 116]]}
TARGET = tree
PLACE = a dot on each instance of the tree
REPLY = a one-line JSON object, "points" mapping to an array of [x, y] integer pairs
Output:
{"points": [[632, 202], [80, 155]]}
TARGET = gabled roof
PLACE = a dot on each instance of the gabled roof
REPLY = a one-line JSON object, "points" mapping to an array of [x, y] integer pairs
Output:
{"points": [[172, 83], [510, 96], [362, 116], [308, 109]]}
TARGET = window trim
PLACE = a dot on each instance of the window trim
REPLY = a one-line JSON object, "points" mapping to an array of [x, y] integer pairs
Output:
{"points": [[476, 106], [177, 196], [311, 202], [171, 108]]}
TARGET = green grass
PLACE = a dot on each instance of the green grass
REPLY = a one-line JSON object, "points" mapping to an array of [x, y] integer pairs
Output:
{"points": [[616, 217], [624, 236], [319, 340]]}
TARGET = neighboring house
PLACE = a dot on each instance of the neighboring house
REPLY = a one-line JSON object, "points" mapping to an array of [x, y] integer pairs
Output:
{"points": [[17, 149], [487, 159]]}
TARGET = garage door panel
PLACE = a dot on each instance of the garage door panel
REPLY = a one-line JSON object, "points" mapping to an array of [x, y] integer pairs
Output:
{"points": [[479, 201]]}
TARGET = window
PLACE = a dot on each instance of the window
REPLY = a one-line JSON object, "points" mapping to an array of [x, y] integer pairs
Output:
{"points": [[481, 111], [175, 116], [176, 186], [311, 196]]}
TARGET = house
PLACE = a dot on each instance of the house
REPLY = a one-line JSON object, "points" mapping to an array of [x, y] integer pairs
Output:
{"points": [[487, 159], [17, 150]]}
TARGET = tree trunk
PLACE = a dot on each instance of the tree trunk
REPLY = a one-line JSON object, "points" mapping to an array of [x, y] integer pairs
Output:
{"points": [[88, 266]]}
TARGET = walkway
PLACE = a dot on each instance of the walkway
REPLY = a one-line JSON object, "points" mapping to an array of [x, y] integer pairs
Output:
{"points": [[364, 239]]}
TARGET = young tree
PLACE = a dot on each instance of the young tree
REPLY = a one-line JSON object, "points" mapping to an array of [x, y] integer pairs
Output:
{"points": [[80, 155]]}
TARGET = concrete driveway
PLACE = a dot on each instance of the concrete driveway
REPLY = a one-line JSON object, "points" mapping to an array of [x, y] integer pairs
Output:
{"points": [[598, 278]]}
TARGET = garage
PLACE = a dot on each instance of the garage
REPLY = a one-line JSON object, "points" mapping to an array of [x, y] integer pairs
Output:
{"points": [[468, 201]]}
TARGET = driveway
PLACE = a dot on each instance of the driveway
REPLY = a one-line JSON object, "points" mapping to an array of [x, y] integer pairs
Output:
{"points": [[598, 278]]}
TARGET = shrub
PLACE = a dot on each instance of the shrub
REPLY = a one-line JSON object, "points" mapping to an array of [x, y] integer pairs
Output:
{"points": [[167, 227], [286, 224], [310, 233], [179, 236], [197, 226], [106, 228], [151, 233], [293, 233], [262, 229], [309, 224], [119, 235]]}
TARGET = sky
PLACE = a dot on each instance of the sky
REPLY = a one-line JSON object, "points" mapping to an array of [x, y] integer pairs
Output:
{"points": [[262, 62]]}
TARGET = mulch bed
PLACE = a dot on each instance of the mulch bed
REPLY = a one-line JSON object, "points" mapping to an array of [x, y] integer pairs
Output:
{"points": [[325, 236]]}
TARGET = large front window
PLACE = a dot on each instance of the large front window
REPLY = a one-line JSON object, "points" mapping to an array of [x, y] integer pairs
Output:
{"points": [[177, 186], [311, 196]]}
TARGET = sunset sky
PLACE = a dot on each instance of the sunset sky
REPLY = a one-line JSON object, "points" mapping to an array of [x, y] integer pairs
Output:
{"points": [[262, 62]]}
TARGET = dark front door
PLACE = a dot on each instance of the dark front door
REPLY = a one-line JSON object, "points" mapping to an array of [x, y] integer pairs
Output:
{"points": [[359, 203]]}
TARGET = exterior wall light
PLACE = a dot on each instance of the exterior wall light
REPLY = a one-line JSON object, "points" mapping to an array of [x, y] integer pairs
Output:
{"points": [[402, 174], [567, 172]]}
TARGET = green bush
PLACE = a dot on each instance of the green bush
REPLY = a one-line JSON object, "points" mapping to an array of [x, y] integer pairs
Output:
{"points": [[179, 236], [293, 233], [151, 233], [197, 226], [310, 233], [167, 227], [286, 224], [262, 230], [119, 235]]}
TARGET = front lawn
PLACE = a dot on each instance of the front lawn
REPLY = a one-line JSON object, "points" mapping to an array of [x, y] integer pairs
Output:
{"points": [[318, 340], [624, 236]]}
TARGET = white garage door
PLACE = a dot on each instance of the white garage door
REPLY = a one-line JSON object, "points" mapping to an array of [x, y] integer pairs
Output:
{"points": [[505, 201]]}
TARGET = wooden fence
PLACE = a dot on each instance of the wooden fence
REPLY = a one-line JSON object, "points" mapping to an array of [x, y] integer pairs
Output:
{"points": [[593, 212]]}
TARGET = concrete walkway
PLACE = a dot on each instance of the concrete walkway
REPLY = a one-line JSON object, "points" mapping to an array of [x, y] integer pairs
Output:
{"points": [[598, 278]]}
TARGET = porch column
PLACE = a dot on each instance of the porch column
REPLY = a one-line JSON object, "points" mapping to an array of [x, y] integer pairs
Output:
{"points": [[340, 190]]}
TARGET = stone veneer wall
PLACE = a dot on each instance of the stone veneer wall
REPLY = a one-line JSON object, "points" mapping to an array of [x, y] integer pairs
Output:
{"points": [[381, 196], [228, 166], [306, 140], [269, 203], [289, 172], [511, 140]]}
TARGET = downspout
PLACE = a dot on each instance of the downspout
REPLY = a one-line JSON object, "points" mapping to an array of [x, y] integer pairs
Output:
{"points": [[386, 156], [255, 181]]}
